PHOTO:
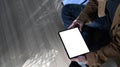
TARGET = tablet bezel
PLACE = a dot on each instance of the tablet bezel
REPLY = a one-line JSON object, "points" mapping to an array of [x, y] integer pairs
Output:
{"points": [[65, 46]]}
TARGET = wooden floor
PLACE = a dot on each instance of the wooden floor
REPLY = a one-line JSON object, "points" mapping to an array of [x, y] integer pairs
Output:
{"points": [[29, 34]]}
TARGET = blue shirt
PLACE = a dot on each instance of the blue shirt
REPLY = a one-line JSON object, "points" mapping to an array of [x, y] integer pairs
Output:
{"points": [[65, 2]]}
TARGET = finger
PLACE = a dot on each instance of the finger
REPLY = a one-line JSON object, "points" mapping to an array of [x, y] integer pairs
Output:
{"points": [[82, 58], [75, 59], [86, 62], [80, 26], [71, 26]]}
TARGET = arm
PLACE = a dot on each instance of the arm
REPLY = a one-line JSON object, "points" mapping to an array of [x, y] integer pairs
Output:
{"points": [[89, 13], [112, 50], [102, 55]]}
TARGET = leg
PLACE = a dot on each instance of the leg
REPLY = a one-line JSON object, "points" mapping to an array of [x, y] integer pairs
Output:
{"points": [[70, 13]]}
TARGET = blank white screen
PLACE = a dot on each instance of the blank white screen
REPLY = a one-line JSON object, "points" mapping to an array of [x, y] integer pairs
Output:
{"points": [[73, 42]]}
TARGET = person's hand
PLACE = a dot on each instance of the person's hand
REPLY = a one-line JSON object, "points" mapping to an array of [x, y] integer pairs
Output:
{"points": [[76, 23], [80, 59]]}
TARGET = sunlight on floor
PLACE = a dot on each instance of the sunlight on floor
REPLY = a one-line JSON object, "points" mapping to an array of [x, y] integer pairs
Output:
{"points": [[43, 60]]}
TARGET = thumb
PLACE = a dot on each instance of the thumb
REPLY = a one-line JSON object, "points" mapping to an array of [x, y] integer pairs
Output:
{"points": [[80, 26], [71, 26]]}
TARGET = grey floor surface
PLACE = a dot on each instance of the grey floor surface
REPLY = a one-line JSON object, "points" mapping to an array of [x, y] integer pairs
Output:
{"points": [[29, 34]]}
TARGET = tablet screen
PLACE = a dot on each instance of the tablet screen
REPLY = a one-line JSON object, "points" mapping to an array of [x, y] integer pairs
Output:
{"points": [[73, 42]]}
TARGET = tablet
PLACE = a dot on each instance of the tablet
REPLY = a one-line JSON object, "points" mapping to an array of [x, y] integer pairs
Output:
{"points": [[73, 42]]}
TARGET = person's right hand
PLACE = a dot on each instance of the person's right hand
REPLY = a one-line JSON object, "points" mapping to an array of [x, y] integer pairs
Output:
{"points": [[80, 59], [76, 23]]}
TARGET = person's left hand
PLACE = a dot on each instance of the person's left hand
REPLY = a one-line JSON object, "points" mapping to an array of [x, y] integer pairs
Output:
{"points": [[76, 23], [80, 59]]}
